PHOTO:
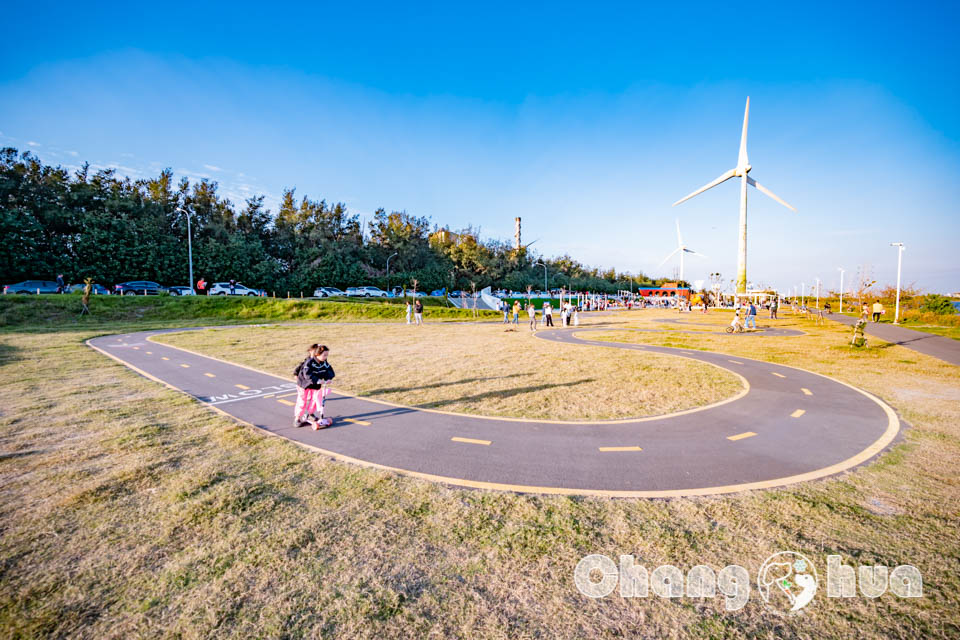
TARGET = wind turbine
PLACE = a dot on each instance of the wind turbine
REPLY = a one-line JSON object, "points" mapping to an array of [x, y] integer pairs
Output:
{"points": [[681, 249], [740, 171]]}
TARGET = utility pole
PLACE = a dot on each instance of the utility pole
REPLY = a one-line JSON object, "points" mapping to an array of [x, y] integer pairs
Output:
{"points": [[899, 245], [818, 292], [840, 269], [544, 274], [388, 270], [189, 249]]}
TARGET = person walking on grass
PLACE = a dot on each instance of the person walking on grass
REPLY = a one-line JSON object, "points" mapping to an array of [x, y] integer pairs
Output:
{"points": [[877, 310], [409, 311], [774, 306], [547, 314], [532, 312], [516, 313], [418, 312], [506, 311], [201, 286], [312, 374], [751, 317]]}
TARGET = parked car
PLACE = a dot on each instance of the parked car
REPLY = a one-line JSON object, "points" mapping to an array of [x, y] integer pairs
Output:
{"points": [[223, 289], [367, 292], [327, 292], [436, 293], [31, 286], [137, 288], [96, 289], [182, 291]]}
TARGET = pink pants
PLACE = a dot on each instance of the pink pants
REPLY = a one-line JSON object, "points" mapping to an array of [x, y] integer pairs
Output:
{"points": [[308, 401]]}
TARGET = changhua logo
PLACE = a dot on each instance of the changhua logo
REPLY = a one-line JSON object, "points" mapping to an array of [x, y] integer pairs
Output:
{"points": [[787, 581]]}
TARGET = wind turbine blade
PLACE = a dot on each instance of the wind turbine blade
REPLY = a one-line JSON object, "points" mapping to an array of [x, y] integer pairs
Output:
{"points": [[679, 237], [726, 176], [742, 158], [766, 191], [672, 253], [695, 253]]}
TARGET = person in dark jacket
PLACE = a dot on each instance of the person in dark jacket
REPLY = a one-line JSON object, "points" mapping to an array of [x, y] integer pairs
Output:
{"points": [[418, 312], [312, 374]]}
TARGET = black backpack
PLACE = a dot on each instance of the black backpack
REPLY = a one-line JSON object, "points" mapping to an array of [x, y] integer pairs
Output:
{"points": [[301, 373]]}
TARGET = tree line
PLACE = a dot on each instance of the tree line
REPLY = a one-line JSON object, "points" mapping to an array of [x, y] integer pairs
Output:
{"points": [[111, 228]]}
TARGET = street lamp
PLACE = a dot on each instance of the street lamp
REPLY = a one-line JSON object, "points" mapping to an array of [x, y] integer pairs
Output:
{"points": [[899, 245], [388, 269], [544, 274], [840, 269], [189, 249], [818, 292]]}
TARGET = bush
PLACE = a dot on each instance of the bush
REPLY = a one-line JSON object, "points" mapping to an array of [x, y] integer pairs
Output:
{"points": [[938, 304]]}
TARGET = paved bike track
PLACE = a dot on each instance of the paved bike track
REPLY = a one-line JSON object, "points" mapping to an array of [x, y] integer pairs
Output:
{"points": [[787, 426]]}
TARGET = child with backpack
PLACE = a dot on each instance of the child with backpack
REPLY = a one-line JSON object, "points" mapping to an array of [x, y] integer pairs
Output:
{"points": [[311, 374]]}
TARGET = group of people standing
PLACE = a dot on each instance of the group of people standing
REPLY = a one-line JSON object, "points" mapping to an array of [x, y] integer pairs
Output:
{"points": [[568, 314], [416, 310]]}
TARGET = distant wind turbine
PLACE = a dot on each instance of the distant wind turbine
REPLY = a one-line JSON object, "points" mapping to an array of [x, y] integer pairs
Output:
{"points": [[681, 249], [740, 171]]}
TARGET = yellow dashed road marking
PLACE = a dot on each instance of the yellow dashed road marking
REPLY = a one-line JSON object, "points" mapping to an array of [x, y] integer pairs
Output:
{"points": [[286, 402], [797, 413], [364, 423], [210, 375], [137, 348], [806, 392], [164, 357], [185, 366], [741, 436], [620, 449], [149, 353], [779, 375], [241, 386], [470, 441], [286, 395]]}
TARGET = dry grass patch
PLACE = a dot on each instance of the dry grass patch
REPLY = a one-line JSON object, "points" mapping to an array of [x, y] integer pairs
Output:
{"points": [[478, 369], [129, 510]]}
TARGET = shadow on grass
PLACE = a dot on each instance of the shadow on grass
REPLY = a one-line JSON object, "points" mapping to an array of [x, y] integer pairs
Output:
{"points": [[9, 354], [436, 385], [506, 393]]}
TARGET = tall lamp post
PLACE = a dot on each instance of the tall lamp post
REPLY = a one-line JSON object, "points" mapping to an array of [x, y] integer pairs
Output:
{"points": [[840, 269], [818, 292], [544, 274], [899, 245], [189, 249], [388, 270]]}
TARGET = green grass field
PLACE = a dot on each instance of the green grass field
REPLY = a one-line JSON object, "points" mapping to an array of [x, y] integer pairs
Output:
{"points": [[129, 510], [46, 311]]}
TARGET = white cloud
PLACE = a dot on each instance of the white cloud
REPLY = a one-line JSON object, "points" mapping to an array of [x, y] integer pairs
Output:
{"points": [[33, 144], [73, 153], [126, 155], [212, 167]]}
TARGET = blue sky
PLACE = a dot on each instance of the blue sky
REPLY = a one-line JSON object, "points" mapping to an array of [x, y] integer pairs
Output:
{"points": [[586, 121]]}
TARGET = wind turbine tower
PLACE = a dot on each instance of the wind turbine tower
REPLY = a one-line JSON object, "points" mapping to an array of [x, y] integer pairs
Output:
{"points": [[681, 249], [740, 171]]}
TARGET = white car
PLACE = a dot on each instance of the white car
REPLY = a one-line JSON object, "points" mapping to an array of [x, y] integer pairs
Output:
{"points": [[326, 292], [367, 292], [223, 289]]}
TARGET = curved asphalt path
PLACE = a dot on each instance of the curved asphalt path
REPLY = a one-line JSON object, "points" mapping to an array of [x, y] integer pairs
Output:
{"points": [[770, 332], [788, 426]]}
